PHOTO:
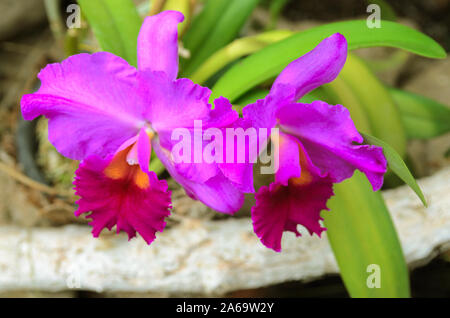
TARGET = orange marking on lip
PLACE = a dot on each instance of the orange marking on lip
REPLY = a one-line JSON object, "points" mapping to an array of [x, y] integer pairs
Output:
{"points": [[119, 168], [140, 178], [305, 176]]}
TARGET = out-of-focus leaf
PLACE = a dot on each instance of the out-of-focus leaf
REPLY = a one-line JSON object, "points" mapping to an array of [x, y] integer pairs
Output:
{"points": [[382, 113], [184, 6], [394, 61], [202, 25], [116, 25], [422, 117], [387, 12], [271, 60], [340, 92], [397, 165], [156, 6], [221, 32], [156, 165], [235, 50], [276, 6], [364, 241]]}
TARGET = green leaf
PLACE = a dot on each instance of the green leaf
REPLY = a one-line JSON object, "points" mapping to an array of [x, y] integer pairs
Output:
{"points": [[115, 24], [387, 12], [422, 117], [222, 32], [156, 165], [374, 99], [340, 92], [183, 6], [271, 60], [202, 25], [275, 9], [235, 50], [397, 165], [361, 233]]}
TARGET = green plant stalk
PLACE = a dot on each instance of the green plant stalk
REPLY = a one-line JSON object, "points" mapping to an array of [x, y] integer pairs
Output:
{"points": [[52, 9]]}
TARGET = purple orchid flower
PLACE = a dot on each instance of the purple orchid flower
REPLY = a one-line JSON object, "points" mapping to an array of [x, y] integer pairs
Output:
{"points": [[110, 115], [317, 146]]}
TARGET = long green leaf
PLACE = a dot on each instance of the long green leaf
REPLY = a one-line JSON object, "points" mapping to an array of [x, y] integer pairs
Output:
{"points": [[225, 29], [340, 92], [361, 233], [387, 12], [271, 60], [116, 25], [235, 50], [422, 117], [382, 113], [202, 25], [397, 165], [275, 9]]}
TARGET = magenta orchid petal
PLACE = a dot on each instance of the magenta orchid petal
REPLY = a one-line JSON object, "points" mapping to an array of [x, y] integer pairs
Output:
{"points": [[144, 150], [106, 113], [318, 67], [219, 118], [281, 208], [329, 136], [195, 115], [89, 100], [124, 196], [262, 113], [237, 159], [197, 172], [218, 192], [158, 43], [262, 116], [223, 114], [172, 104], [129, 142], [289, 159]]}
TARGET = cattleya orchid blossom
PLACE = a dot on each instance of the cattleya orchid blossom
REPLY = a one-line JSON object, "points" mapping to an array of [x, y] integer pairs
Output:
{"points": [[110, 115], [318, 146]]}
